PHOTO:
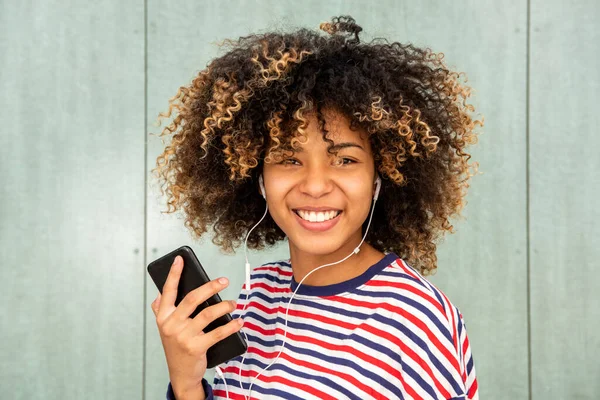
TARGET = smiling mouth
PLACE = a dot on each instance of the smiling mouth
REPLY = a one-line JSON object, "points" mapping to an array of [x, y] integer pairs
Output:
{"points": [[321, 216]]}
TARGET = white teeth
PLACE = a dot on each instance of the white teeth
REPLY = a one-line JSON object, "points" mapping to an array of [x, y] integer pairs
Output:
{"points": [[317, 216]]}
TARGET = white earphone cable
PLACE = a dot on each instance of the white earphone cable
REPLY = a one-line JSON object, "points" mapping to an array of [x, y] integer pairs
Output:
{"points": [[247, 286], [355, 251]]}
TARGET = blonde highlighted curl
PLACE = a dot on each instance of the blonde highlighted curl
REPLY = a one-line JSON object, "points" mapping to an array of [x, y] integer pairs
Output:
{"points": [[251, 105]]}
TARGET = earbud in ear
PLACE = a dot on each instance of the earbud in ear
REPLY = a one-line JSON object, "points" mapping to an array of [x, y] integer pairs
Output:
{"points": [[377, 188], [262, 187]]}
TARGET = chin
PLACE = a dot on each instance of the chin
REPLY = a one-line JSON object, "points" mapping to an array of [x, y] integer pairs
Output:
{"points": [[316, 245]]}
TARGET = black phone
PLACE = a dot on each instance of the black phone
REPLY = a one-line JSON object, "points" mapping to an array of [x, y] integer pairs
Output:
{"points": [[192, 277]]}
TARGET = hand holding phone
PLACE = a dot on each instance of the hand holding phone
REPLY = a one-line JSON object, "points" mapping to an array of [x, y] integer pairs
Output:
{"points": [[195, 328]]}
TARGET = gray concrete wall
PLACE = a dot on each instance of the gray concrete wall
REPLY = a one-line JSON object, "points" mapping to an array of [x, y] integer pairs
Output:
{"points": [[81, 86]]}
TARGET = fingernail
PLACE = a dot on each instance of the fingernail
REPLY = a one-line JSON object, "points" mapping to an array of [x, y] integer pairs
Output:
{"points": [[177, 261], [223, 281]]}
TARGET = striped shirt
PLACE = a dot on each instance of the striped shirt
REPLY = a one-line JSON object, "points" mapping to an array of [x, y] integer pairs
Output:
{"points": [[386, 334]]}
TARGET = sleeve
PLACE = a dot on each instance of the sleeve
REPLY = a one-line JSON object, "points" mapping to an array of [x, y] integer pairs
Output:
{"points": [[467, 366], [205, 386]]}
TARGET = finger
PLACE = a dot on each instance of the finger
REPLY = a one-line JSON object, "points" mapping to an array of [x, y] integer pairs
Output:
{"points": [[218, 334], [155, 305], [198, 296], [169, 292], [209, 314]]}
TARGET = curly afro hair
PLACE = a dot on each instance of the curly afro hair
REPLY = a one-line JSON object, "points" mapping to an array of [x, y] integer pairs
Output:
{"points": [[251, 103]]}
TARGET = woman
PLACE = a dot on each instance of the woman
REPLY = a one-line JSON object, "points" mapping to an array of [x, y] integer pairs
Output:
{"points": [[354, 153]]}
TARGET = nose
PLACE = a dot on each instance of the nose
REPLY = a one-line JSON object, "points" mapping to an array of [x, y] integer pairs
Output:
{"points": [[316, 183]]}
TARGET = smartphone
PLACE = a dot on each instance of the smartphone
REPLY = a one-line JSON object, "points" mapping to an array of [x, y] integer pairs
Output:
{"points": [[192, 277]]}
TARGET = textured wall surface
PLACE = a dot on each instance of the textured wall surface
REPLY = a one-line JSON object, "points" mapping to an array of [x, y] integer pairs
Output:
{"points": [[81, 86]]}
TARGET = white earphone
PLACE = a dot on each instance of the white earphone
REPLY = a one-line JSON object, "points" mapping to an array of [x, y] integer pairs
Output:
{"points": [[262, 187], [247, 283]]}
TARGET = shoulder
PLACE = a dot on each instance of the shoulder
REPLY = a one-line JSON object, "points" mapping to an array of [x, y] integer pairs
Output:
{"points": [[416, 295], [431, 323]]}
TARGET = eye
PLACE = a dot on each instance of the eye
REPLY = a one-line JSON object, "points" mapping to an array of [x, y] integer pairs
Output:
{"points": [[288, 161], [344, 161]]}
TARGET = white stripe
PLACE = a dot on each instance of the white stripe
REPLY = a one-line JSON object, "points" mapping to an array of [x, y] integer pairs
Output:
{"points": [[389, 357]]}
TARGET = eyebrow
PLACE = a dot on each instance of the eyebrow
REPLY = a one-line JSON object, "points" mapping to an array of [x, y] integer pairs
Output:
{"points": [[338, 146]]}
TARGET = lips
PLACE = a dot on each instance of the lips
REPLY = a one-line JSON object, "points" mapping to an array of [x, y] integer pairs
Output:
{"points": [[319, 216], [318, 226]]}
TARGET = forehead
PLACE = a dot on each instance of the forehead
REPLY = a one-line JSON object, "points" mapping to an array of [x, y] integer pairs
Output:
{"points": [[338, 129]]}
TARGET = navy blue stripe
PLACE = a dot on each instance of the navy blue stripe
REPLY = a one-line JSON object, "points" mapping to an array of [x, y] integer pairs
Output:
{"points": [[270, 300], [325, 332], [386, 321], [312, 305], [439, 297], [293, 372], [396, 273], [283, 298], [427, 285], [437, 294], [281, 264], [346, 286], [256, 388], [367, 295], [415, 304], [423, 345], [272, 278], [332, 309], [423, 282], [470, 365], [333, 360], [362, 340]]}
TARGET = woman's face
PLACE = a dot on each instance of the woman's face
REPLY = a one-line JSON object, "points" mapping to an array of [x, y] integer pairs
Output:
{"points": [[320, 201]]}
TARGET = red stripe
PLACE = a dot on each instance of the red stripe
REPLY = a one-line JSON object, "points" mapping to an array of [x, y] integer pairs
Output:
{"points": [[362, 356], [279, 379], [274, 269], [410, 317], [368, 328], [374, 361], [261, 307], [341, 348], [409, 288], [232, 395], [315, 367], [303, 314], [269, 288], [454, 332], [464, 352], [465, 345], [406, 350], [472, 389], [408, 270]]}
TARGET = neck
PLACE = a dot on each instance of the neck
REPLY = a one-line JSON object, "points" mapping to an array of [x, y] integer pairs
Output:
{"points": [[304, 262]]}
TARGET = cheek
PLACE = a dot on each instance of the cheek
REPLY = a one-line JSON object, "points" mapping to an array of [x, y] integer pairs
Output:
{"points": [[359, 190], [276, 199], [360, 198], [278, 188]]}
